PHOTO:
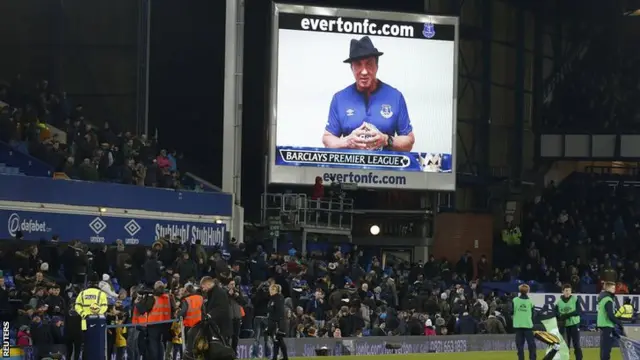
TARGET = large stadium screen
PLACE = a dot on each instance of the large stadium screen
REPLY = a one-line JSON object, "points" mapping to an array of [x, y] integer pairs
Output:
{"points": [[363, 97]]}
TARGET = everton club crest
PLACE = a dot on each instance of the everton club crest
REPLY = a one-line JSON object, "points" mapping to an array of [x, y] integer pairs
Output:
{"points": [[429, 31], [386, 112]]}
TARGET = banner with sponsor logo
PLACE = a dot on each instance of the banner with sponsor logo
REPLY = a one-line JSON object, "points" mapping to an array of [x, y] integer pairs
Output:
{"points": [[382, 118], [306, 347], [588, 302], [106, 229]]}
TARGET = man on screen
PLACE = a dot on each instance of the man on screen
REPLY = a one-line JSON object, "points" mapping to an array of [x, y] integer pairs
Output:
{"points": [[369, 114]]}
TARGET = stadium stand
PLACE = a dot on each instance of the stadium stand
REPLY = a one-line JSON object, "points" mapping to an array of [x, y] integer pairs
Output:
{"points": [[31, 143], [581, 231]]}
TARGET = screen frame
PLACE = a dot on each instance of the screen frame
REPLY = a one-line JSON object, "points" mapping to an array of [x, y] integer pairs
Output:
{"points": [[431, 181]]}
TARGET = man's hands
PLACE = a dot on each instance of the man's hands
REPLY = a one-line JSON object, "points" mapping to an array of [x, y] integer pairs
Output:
{"points": [[355, 140], [377, 141], [365, 137]]}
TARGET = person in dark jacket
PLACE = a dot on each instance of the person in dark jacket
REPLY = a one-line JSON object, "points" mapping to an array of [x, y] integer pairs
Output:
{"points": [[276, 321], [186, 267], [5, 306], [55, 302], [73, 334], [127, 275], [217, 305], [51, 254], [466, 325], [236, 307], [494, 325], [57, 331], [152, 272], [41, 336]]}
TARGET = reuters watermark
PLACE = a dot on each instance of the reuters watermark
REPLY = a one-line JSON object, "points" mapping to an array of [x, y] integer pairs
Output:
{"points": [[6, 340]]}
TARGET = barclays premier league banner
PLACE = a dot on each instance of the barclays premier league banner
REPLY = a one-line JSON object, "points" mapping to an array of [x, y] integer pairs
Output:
{"points": [[35, 226], [363, 97]]}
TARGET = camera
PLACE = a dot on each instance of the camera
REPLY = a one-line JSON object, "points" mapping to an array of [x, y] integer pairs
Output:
{"points": [[264, 287], [144, 292]]}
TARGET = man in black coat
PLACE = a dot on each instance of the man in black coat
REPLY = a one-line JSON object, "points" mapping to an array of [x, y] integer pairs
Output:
{"points": [[217, 305], [276, 325]]}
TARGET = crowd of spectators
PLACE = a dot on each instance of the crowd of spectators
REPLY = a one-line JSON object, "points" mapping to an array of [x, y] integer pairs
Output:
{"points": [[327, 295], [86, 152], [582, 232]]}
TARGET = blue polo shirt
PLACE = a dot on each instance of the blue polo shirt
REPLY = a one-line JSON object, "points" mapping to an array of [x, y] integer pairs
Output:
{"points": [[385, 109]]}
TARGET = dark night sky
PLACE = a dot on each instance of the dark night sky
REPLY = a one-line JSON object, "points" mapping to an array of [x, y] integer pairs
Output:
{"points": [[186, 82]]}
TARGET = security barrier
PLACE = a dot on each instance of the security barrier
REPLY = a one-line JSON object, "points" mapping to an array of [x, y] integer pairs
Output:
{"points": [[116, 326]]}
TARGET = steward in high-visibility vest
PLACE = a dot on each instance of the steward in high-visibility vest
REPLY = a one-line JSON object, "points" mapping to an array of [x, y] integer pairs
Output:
{"points": [[161, 310], [191, 308], [607, 321], [194, 310], [91, 301], [136, 318], [626, 311], [568, 310]]}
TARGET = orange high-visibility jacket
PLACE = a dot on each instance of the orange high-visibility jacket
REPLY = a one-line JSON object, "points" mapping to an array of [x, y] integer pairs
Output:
{"points": [[194, 310], [161, 310]]}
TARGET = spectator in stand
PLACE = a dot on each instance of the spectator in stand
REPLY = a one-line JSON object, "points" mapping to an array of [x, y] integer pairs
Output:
{"points": [[163, 161], [90, 153], [318, 189]]}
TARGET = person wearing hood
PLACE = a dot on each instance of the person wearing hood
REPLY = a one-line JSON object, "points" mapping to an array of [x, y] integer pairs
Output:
{"points": [[523, 312], [105, 285], [606, 320], [429, 329], [23, 338]]}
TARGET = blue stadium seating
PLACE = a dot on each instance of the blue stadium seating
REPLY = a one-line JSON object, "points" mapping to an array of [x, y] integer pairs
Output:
{"points": [[9, 170], [24, 163]]}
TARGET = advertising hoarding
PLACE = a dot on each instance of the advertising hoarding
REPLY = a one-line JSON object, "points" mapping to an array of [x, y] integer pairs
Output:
{"points": [[106, 229], [588, 302], [363, 97], [376, 345]]}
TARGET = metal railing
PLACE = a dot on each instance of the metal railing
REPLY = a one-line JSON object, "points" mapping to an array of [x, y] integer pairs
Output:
{"points": [[116, 326], [297, 210]]}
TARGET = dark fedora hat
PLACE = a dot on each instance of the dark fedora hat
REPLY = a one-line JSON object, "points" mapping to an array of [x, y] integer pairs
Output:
{"points": [[360, 49]]}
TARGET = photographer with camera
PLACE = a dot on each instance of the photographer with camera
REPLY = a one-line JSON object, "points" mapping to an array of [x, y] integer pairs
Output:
{"points": [[136, 336], [151, 307], [276, 321], [260, 300], [190, 308], [236, 306]]}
